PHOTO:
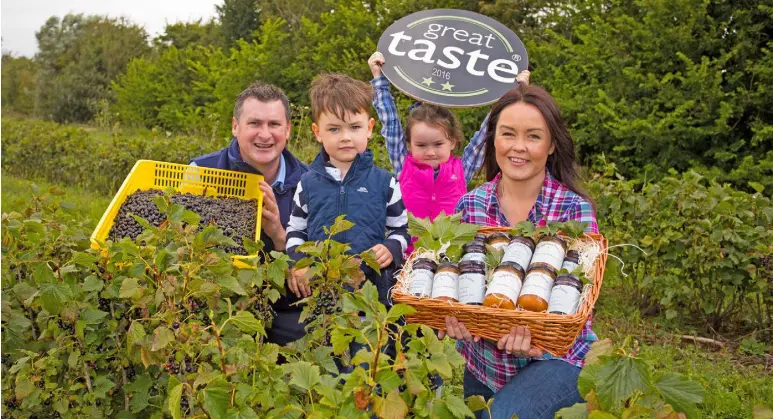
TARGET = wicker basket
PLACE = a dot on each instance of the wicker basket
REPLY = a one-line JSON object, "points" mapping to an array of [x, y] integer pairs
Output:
{"points": [[553, 333]]}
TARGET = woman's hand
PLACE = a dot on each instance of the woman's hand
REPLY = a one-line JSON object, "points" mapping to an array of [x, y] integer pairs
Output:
{"points": [[456, 330], [518, 343]]}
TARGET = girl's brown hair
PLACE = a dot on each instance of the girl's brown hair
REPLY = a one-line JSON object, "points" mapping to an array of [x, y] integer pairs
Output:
{"points": [[561, 164], [436, 116]]}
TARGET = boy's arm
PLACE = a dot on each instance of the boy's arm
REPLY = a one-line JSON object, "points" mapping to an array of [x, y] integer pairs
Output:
{"points": [[391, 129], [396, 223], [297, 227]]}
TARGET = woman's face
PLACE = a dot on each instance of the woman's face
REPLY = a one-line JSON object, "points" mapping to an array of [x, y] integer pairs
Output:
{"points": [[522, 142]]}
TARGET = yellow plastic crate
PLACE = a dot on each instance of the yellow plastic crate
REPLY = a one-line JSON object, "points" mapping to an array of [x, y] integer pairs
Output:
{"points": [[149, 174]]}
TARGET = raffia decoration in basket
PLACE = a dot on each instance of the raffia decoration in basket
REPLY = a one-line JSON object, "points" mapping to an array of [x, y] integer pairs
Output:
{"points": [[553, 333]]}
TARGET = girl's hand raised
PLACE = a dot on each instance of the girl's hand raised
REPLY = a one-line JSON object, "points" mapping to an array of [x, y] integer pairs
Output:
{"points": [[375, 62], [523, 77]]}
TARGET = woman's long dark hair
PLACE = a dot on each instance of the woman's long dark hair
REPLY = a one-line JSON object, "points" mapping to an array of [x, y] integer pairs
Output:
{"points": [[561, 164]]}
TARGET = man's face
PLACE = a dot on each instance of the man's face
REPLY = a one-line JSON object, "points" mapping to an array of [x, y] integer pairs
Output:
{"points": [[343, 139], [261, 131]]}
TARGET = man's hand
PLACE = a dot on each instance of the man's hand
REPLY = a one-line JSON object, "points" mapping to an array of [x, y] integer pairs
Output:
{"points": [[383, 255], [297, 284], [271, 222], [375, 62], [523, 77]]}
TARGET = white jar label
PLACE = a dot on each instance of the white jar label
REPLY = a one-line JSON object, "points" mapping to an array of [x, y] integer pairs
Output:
{"points": [[477, 257], [550, 253], [445, 285], [564, 299], [539, 284], [421, 282], [569, 266], [472, 287], [499, 245], [519, 253], [505, 283]]}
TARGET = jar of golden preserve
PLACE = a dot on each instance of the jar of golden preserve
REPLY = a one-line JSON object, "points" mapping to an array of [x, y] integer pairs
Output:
{"points": [[565, 295], [445, 285], [505, 286], [535, 293]]}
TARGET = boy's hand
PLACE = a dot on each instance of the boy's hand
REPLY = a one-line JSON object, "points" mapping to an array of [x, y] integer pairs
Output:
{"points": [[523, 77], [383, 255], [375, 62], [297, 284]]}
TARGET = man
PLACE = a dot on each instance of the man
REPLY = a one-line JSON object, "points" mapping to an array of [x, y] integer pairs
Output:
{"points": [[261, 128]]}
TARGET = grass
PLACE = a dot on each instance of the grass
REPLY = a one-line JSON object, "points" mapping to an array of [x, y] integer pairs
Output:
{"points": [[734, 383], [16, 193]]}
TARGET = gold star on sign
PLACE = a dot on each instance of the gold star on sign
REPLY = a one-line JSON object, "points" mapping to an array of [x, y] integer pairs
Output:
{"points": [[447, 86], [427, 80]]}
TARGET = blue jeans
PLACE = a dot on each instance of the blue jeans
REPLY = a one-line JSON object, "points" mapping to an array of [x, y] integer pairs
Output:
{"points": [[537, 392]]}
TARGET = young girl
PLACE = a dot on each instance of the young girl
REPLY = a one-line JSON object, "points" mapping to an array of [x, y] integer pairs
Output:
{"points": [[431, 178]]}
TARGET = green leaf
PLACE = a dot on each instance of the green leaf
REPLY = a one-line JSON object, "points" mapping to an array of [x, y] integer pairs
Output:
{"points": [[394, 407], [596, 414], [230, 283], [175, 394], [758, 187], [340, 340], [340, 225], [217, 398], [439, 363], [92, 316], [303, 374], [457, 407], [129, 288], [587, 379], [247, 323], [578, 411], [53, 296], [476, 403], [681, 393], [162, 337], [135, 334], [398, 311], [92, 283], [369, 257], [419, 226], [43, 274], [598, 348], [620, 378]]}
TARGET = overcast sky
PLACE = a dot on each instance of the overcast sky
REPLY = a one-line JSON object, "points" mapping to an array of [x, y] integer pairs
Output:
{"points": [[22, 18]]}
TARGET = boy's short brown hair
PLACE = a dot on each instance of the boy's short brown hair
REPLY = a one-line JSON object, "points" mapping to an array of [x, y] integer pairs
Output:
{"points": [[339, 94]]}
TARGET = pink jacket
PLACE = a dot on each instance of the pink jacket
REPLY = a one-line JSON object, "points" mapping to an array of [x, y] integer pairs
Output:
{"points": [[426, 197]]}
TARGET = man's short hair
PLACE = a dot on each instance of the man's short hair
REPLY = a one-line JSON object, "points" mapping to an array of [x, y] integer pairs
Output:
{"points": [[264, 93], [339, 95]]}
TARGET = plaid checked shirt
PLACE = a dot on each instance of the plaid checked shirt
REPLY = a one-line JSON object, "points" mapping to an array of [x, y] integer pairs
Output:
{"points": [[392, 131], [556, 202]]}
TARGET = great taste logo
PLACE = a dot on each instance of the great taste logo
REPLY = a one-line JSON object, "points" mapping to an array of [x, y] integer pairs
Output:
{"points": [[452, 57]]}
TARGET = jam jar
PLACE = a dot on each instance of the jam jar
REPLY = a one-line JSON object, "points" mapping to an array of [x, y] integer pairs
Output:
{"points": [[565, 295], [472, 282], [445, 284], [498, 240], [571, 261], [475, 251], [549, 253], [535, 293], [519, 251], [422, 273], [505, 286]]}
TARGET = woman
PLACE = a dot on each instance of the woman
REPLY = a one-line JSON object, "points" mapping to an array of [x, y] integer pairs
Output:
{"points": [[532, 175]]}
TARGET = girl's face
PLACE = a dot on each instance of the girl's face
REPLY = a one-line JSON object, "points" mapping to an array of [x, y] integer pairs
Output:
{"points": [[430, 144], [522, 142]]}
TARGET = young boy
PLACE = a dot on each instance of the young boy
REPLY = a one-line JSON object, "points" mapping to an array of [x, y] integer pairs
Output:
{"points": [[344, 180]]}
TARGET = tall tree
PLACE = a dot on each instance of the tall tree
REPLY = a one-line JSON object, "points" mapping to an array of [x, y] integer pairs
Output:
{"points": [[238, 20]]}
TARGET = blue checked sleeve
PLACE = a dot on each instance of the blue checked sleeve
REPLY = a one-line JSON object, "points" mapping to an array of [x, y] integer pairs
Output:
{"points": [[474, 153], [391, 129]]}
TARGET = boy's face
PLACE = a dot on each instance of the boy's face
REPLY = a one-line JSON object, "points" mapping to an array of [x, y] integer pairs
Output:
{"points": [[343, 139]]}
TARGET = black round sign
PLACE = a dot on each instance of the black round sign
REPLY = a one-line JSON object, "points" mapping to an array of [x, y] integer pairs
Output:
{"points": [[452, 57]]}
